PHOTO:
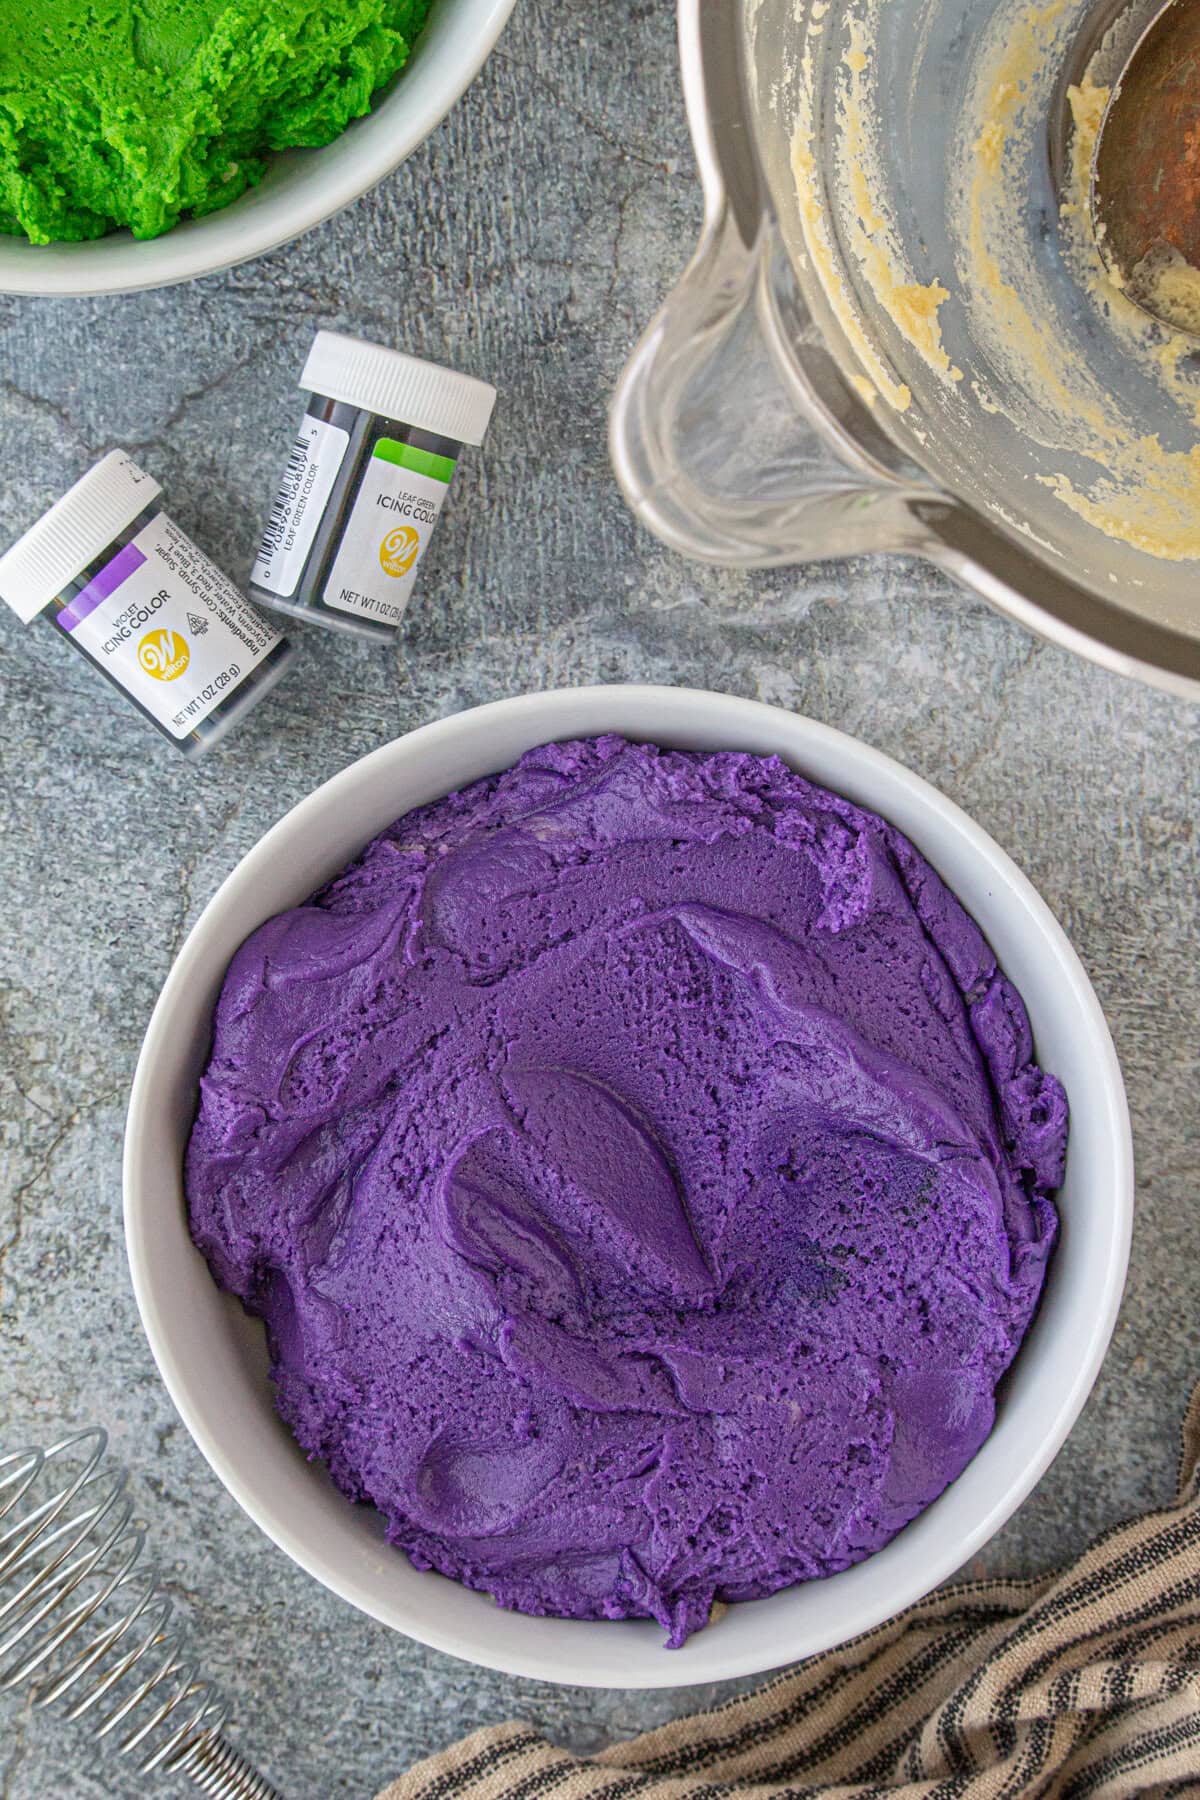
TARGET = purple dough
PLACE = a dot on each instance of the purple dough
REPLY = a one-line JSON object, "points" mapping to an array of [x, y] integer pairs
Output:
{"points": [[639, 1164]]}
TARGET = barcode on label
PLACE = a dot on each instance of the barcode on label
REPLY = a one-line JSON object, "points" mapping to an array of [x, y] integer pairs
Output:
{"points": [[295, 517], [285, 499]]}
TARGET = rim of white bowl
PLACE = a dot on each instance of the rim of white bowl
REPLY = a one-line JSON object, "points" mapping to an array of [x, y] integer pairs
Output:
{"points": [[672, 707], [431, 83]]}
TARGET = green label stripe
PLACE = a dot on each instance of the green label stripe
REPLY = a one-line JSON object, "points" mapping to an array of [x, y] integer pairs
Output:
{"points": [[407, 456]]}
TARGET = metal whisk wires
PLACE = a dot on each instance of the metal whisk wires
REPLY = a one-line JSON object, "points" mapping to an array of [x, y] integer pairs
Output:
{"points": [[80, 1625]]}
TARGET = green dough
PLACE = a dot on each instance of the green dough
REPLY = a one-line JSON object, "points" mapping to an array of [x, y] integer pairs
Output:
{"points": [[134, 112]]}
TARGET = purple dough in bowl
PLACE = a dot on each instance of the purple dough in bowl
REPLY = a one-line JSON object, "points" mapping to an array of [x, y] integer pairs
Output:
{"points": [[640, 1166]]}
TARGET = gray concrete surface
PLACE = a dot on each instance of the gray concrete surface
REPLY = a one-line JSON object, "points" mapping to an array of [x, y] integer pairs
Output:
{"points": [[528, 240]]}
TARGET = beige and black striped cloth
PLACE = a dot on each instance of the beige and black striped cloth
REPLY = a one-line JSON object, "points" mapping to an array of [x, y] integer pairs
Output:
{"points": [[1075, 1686]]}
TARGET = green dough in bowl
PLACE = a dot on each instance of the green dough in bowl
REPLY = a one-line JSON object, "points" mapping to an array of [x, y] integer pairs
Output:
{"points": [[134, 112]]}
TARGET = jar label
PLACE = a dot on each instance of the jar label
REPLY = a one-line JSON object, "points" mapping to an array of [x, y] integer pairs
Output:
{"points": [[169, 627], [395, 511], [317, 455]]}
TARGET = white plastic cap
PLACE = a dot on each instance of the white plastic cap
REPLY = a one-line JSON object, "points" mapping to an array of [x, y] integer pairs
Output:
{"points": [[73, 533], [399, 387]]}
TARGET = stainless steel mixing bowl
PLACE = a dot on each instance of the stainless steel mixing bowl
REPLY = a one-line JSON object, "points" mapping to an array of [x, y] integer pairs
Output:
{"points": [[749, 428]]}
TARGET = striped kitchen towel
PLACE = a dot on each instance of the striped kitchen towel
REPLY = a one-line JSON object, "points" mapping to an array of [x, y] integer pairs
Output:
{"points": [[1080, 1684]]}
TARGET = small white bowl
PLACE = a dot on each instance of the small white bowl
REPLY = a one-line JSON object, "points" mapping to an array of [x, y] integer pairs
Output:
{"points": [[299, 190], [213, 1358]]}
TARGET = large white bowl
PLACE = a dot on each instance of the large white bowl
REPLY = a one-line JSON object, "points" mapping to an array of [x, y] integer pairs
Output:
{"points": [[213, 1358], [301, 187]]}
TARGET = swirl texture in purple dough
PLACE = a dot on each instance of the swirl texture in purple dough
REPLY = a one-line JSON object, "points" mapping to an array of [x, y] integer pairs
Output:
{"points": [[640, 1165]]}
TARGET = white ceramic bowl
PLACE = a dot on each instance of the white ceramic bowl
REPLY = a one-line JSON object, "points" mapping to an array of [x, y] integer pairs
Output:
{"points": [[213, 1358], [301, 187]]}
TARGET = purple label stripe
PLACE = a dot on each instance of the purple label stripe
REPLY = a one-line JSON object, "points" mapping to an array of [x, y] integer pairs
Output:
{"points": [[101, 586]]}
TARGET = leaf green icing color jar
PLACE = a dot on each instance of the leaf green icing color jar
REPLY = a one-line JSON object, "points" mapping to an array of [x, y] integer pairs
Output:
{"points": [[365, 482]]}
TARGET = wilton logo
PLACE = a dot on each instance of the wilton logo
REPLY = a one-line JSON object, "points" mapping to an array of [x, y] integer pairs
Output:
{"points": [[398, 551], [164, 653]]}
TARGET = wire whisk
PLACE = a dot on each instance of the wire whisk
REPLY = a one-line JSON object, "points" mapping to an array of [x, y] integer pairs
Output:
{"points": [[81, 1625]]}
